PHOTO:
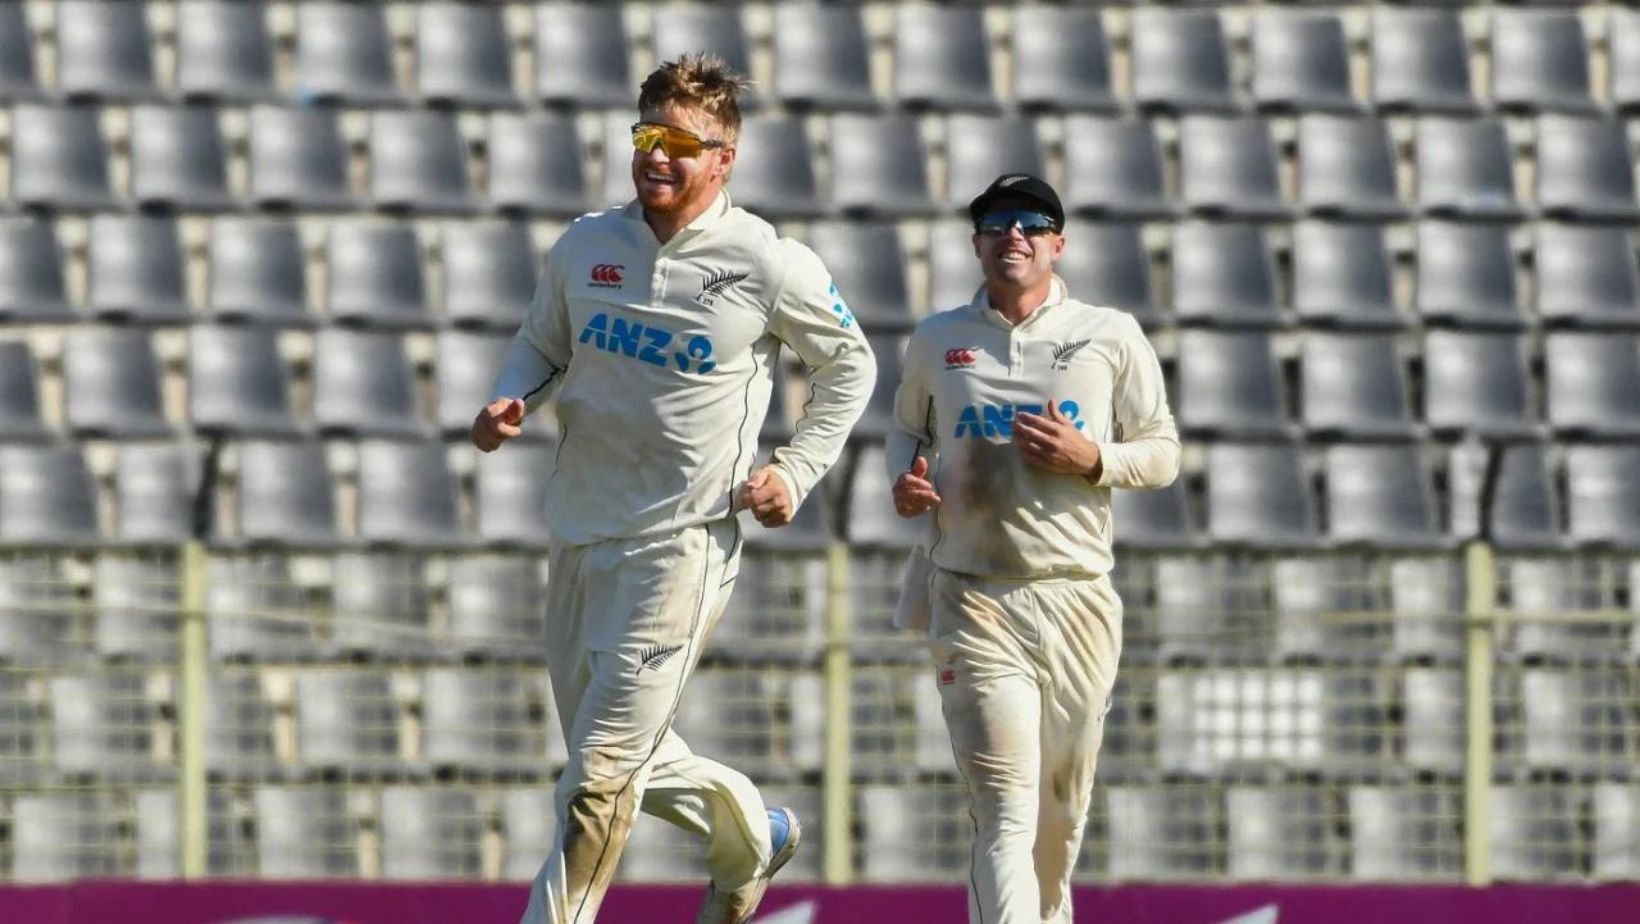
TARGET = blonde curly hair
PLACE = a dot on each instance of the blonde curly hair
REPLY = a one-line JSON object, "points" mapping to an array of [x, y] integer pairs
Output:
{"points": [[699, 80]]}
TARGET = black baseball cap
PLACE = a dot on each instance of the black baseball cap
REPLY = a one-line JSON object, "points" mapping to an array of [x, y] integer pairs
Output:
{"points": [[1019, 186]]}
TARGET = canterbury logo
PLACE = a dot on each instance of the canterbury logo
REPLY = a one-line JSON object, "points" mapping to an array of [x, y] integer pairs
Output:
{"points": [[1062, 353], [607, 274], [717, 284], [656, 655], [960, 358]]}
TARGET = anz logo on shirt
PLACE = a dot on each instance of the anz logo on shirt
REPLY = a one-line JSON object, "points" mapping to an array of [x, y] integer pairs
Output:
{"points": [[845, 317], [989, 421], [647, 343]]}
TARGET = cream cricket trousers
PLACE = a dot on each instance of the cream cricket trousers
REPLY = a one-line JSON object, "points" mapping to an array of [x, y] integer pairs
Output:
{"points": [[626, 621], [1025, 671]]}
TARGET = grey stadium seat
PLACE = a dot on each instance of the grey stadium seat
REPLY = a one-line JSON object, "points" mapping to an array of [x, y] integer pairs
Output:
{"points": [[510, 495], [1228, 167], [683, 28], [59, 158], [871, 522], [136, 270], [618, 152], [867, 264], [878, 165], [495, 608], [112, 384], [581, 55], [285, 494], [375, 275], [1381, 495], [47, 496], [239, 727], [1159, 518], [1317, 605], [942, 57], [728, 714], [1426, 600], [1466, 275], [1229, 386], [889, 350], [1180, 60], [1162, 832], [467, 362], [1464, 169], [1432, 703], [407, 496], [31, 272], [1355, 387], [1342, 276], [158, 836], [1061, 59], [1477, 383], [178, 159], [774, 171], [479, 721], [304, 832], [37, 612], [1616, 840], [1346, 167], [20, 419], [1301, 62], [490, 271], [347, 721], [257, 271], [1575, 721], [1592, 387], [1524, 512], [1585, 169], [1404, 834], [363, 383], [298, 160], [224, 51], [953, 272], [136, 601], [1223, 274], [535, 164], [344, 54], [911, 832], [19, 757], [255, 612], [1419, 61], [1540, 60], [822, 57], [17, 80], [529, 829], [1624, 68], [1535, 834], [60, 837], [102, 726], [1281, 833], [380, 607], [1113, 167], [1603, 495], [1587, 276], [980, 148], [431, 834], [237, 382], [463, 56], [1545, 586], [102, 50], [1105, 263], [1259, 495], [418, 163]]}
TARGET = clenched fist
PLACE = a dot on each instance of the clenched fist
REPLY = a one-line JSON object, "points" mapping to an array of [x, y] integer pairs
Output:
{"points": [[500, 421], [764, 494], [913, 492]]}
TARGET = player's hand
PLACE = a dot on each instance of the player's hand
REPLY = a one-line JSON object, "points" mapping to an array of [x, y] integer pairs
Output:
{"points": [[1054, 443], [764, 494], [499, 422], [913, 492]]}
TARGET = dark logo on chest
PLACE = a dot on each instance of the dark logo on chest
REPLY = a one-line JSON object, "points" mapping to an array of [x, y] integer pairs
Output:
{"points": [[717, 284], [1063, 353]]}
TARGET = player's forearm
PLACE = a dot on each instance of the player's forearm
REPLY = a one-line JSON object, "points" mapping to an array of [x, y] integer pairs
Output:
{"points": [[1147, 462], [526, 373], [841, 389]]}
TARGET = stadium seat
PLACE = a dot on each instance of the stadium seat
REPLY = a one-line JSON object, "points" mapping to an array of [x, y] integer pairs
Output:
{"points": [[158, 836], [684, 28], [37, 612], [661, 852], [344, 54], [1346, 168], [1159, 518], [1342, 276], [617, 167], [1206, 610], [1230, 386], [1592, 384], [1426, 605], [1540, 61], [363, 384], [1162, 832], [418, 163], [1466, 276], [59, 158], [1535, 834], [1324, 612], [1381, 495], [867, 264], [1524, 509], [1355, 387], [913, 833], [490, 271], [467, 364], [1301, 62], [581, 55], [980, 148], [1419, 61], [237, 382], [257, 271], [1585, 169], [255, 611], [1576, 722], [407, 496], [1113, 166], [774, 171], [535, 164], [776, 612], [102, 727], [822, 58], [478, 721], [463, 55], [495, 610], [47, 496], [1477, 384], [1587, 276], [954, 275], [376, 276], [1542, 589], [1615, 810], [877, 165], [155, 492], [111, 383], [285, 494], [1104, 264], [380, 607], [1224, 275], [510, 495], [19, 750], [1432, 721], [1227, 167], [871, 522], [1281, 833], [1061, 59], [1180, 60], [103, 51], [298, 160], [60, 837], [20, 419], [1464, 169], [31, 272], [1603, 495], [135, 601], [1259, 495], [528, 830], [1223, 722], [178, 160], [347, 721], [304, 832], [729, 715], [239, 721], [224, 52], [942, 58], [17, 80], [136, 270], [431, 834], [1623, 70], [1405, 833]]}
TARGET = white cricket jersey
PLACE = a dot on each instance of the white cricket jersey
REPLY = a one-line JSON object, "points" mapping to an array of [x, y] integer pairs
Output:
{"points": [[662, 359], [967, 371]]}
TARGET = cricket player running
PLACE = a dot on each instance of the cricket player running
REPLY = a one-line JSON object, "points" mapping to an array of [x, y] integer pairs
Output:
{"points": [[1015, 417], [658, 325]]}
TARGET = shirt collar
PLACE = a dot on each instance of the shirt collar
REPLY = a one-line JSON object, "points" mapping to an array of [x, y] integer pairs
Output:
{"points": [[719, 208], [982, 303]]}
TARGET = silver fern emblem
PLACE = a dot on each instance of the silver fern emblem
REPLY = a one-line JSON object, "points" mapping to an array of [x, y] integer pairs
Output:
{"points": [[717, 284], [1064, 352]]}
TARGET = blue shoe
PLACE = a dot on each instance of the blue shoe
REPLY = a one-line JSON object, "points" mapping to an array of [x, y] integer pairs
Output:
{"points": [[738, 906]]}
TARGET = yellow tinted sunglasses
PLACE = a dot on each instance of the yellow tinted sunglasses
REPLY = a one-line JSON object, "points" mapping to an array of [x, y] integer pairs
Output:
{"points": [[676, 142]]}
